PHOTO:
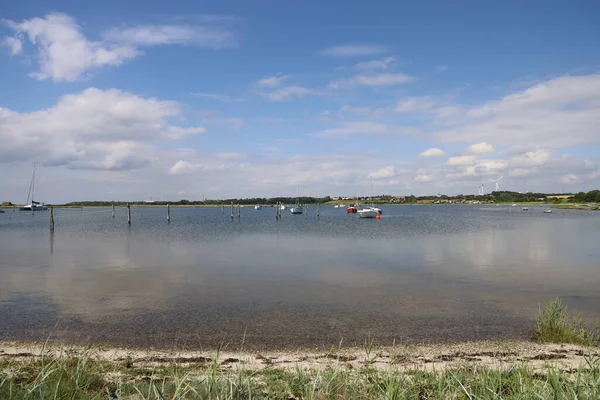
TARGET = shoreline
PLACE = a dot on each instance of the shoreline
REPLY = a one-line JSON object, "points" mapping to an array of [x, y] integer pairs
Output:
{"points": [[399, 357]]}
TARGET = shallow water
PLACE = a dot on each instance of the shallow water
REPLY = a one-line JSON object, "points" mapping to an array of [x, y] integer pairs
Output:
{"points": [[420, 273]]}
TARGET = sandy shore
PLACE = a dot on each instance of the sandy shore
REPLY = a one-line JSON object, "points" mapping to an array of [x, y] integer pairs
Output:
{"points": [[495, 355]]}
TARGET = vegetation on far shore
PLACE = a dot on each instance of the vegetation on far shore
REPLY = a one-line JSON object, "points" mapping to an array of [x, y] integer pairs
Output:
{"points": [[72, 375], [583, 200]]}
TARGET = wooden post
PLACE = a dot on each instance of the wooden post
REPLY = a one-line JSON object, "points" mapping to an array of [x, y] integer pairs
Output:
{"points": [[128, 214], [239, 210], [318, 212], [231, 210], [51, 219], [113, 210], [168, 213], [222, 208]]}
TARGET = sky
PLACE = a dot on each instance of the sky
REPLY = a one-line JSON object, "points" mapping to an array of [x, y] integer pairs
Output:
{"points": [[143, 100]]}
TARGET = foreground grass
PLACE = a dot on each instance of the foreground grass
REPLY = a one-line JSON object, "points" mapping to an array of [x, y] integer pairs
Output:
{"points": [[85, 377], [555, 325]]}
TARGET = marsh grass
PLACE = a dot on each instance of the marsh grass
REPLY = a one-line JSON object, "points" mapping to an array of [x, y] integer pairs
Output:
{"points": [[556, 325], [67, 376]]}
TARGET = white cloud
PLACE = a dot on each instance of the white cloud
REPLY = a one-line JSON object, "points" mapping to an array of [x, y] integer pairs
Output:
{"points": [[64, 53], [366, 128], [176, 133], [433, 152], [93, 129], [385, 172], [288, 92], [13, 43], [325, 113], [182, 167], [423, 177], [481, 148], [414, 104], [532, 158], [355, 50], [208, 36], [560, 112], [220, 97], [381, 64], [569, 178], [272, 81], [461, 160], [387, 79], [441, 68]]}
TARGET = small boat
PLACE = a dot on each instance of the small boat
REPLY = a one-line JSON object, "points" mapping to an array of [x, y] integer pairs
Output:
{"points": [[372, 211], [258, 207], [351, 210], [1, 211], [369, 212], [548, 211], [342, 206], [298, 208], [34, 205], [525, 209], [514, 205], [282, 207], [336, 206]]}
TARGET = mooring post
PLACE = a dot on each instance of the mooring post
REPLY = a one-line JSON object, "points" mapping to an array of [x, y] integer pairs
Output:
{"points": [[168, 213], [113, 210], [51, 219], [222, 208], [239, 210], [232, 210], [128, 214], [318, 212]]}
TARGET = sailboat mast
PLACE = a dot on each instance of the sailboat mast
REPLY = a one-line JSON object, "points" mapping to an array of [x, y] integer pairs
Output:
{"points": [[29, 194], [32, 185]]}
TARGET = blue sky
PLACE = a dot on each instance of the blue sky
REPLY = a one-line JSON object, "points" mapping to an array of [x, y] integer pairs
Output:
{"points": [[136, 100]]}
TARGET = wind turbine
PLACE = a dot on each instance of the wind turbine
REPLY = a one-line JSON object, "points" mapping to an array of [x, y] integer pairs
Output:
{"points": [[497, 182]]}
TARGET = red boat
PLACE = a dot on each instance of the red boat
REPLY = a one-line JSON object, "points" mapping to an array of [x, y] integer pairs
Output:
{"points": [[351, 210]]}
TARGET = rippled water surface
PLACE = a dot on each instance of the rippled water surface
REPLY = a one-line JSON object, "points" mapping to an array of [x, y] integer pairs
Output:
{"points": [[420, 273]]}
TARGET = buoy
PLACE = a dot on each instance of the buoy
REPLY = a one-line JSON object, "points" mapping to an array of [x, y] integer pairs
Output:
{"points": [[378, 217]]}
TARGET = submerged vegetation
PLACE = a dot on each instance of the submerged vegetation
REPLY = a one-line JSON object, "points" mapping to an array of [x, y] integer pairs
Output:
{"points": [[555, 325], [507, 374]]}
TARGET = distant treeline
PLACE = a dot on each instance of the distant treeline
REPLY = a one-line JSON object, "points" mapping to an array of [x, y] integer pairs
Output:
{"points": [[498, 197]]}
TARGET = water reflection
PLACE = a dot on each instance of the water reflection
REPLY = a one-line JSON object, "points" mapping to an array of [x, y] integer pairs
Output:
{"points": [[422, 263]]}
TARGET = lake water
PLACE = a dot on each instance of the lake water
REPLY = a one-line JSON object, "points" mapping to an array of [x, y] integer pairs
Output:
{"points": [[419, 274]]}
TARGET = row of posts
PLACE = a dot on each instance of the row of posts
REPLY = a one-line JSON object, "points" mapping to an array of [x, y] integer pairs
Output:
{"points": [[278, 212]]}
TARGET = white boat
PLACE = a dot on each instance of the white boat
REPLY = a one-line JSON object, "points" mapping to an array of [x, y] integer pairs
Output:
{"points": [[336, 206], [258, 207], [298, 208], [369, 212], [282, 207], [342, 206], [548, 211], [372, 211], [33, 205]]}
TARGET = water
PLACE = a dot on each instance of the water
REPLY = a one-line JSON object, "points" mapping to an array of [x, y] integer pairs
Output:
{"points": [[421, 273]]}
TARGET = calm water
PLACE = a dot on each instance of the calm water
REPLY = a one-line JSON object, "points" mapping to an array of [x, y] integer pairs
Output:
{"points": [[421, 273]]}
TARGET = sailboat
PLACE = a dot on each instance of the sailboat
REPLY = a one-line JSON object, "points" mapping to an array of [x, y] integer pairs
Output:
{"points": [[372, 211], [297, 209], [34, 205]]}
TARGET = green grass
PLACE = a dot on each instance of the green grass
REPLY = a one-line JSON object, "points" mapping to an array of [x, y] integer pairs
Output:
{"points": [[83, 377], [555, 325]]}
